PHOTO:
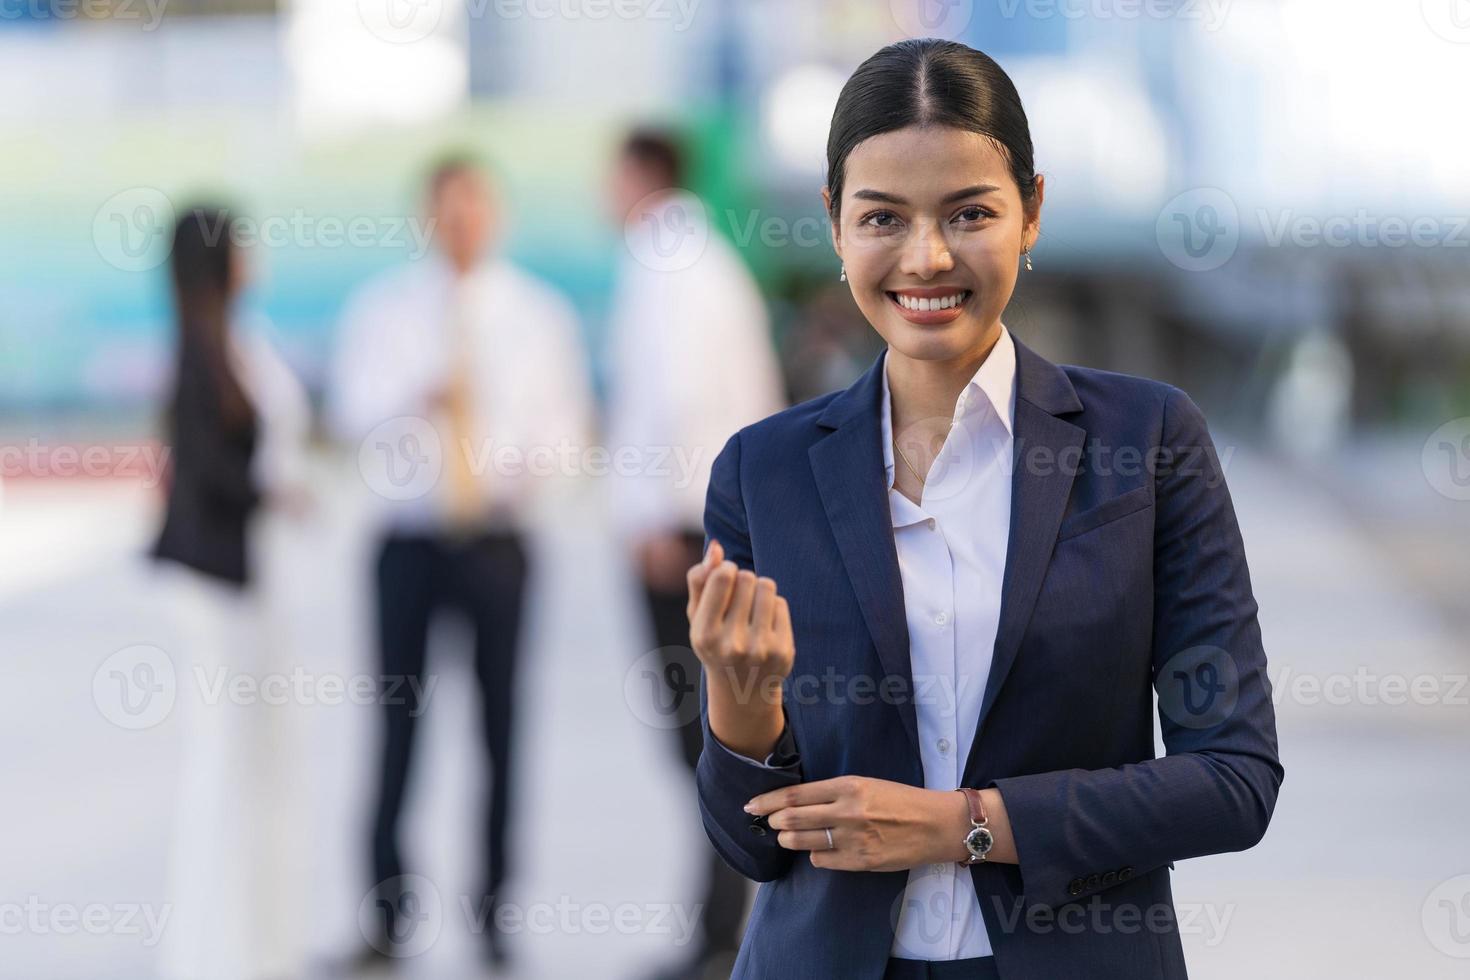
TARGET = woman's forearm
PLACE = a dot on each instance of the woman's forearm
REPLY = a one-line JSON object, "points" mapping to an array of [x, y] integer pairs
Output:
{"points": [[749, 725]]}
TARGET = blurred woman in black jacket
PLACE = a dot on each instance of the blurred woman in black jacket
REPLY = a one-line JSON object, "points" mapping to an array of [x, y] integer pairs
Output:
{"points": [[212, 423], [236, 427]]}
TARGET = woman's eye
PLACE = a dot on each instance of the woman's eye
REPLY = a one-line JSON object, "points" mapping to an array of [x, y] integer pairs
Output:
{"points": [[973, 213], [880, 220]]}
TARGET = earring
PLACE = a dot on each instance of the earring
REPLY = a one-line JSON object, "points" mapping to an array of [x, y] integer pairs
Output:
{"points": [[843, 277], [1028, 260]]}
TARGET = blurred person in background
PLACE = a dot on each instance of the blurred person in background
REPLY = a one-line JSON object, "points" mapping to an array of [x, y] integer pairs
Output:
{"points": [[828, 344], [691, 362], [237, 426], [468, 351]]}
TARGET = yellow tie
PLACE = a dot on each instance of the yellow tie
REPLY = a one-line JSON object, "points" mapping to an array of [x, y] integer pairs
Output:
{"points": [[463, 500]]}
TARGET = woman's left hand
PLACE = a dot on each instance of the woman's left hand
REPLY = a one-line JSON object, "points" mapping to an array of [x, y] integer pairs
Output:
{"points": [[876, 824]]}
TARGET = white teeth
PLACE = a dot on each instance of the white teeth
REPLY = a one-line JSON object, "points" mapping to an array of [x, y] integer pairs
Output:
{"points": [[925, 305]]}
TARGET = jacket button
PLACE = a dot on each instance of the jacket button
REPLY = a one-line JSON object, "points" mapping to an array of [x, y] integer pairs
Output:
{"points": [[1110, 878], [1125, 874], [1094, 880], [1074, 887], [758, 830]]}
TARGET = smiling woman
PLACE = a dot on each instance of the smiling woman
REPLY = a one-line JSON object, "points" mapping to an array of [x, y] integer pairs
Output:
{"points": [[1011, 561], [928, 219]]}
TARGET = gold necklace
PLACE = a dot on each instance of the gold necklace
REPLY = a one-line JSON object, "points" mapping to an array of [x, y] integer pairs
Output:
{"points": [[906, 462], [903, 456]]}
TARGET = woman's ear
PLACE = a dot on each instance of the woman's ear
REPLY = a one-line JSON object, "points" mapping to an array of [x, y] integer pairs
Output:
{"points": [[1032, 229], [833, 224]]}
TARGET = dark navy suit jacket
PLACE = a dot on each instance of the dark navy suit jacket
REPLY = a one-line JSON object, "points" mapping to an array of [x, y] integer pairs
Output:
{"points": [[1125, 572]]}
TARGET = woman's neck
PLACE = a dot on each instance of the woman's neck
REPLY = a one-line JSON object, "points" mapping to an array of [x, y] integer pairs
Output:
{"points": [[921, 389]]}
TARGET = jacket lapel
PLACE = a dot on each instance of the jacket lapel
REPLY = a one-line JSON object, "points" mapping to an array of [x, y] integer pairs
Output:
{"points": [[848, 467], [1047, 455]]}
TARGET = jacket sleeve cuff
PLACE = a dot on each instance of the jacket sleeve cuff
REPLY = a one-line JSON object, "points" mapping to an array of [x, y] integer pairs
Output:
{"points": [[1054, 870], [784, 756], [726, 782]]}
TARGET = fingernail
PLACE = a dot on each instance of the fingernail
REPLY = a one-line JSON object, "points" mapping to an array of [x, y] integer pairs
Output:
{"points": [[748, 808]]}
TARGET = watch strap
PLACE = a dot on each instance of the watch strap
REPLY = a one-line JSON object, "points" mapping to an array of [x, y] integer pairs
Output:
{"points": [[977, 806]]}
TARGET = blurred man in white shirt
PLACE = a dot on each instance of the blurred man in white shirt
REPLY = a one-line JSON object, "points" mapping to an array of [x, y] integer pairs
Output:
{"points": [[455, 374], [691, 362]]}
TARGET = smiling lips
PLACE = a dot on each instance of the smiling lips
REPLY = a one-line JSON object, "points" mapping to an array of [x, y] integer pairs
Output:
{"points": [[932, 304]]}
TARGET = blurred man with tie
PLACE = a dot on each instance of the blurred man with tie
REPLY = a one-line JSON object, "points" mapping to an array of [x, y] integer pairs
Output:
{"points": [[691, 362], [461, 360]]}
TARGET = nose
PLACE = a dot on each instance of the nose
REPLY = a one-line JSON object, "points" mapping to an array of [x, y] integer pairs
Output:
{"points": [[926, 253]]}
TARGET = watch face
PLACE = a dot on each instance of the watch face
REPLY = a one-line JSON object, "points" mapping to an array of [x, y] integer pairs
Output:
{"points": [[979, 841]]}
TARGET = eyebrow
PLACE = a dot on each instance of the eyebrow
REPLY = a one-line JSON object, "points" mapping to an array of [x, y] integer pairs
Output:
{"points": [[973, 191]]}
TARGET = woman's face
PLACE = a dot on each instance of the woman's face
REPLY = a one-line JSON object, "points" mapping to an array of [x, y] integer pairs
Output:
{"points": [[931, 229]]}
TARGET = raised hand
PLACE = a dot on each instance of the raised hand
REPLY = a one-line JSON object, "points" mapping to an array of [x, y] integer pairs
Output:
{"points": [[740, 628]]}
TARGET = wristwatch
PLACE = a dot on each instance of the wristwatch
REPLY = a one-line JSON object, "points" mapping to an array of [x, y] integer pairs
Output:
{"points": [[979, 840]]}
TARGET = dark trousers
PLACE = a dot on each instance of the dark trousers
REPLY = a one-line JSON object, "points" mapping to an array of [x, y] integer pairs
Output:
{"points": [[977, 968], [724, 888], [484, 577]]}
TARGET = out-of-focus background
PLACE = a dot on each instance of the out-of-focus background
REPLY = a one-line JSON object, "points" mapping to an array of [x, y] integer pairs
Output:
{"points": [[1265, 202]]}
